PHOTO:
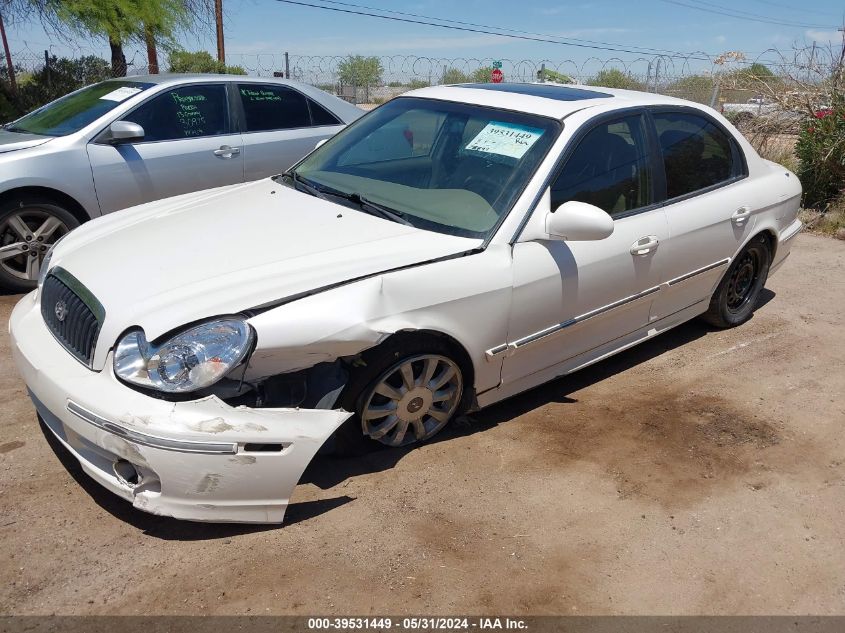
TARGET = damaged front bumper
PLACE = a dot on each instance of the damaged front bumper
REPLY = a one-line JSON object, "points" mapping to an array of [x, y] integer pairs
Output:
{"points": [[201, 460]]}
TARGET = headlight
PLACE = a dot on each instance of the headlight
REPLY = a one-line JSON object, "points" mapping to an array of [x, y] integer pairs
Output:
{"points": [[194, 359]]}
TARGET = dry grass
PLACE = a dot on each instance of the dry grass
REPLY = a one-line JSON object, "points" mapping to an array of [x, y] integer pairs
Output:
{"points": [[778, 148], [829, 222]]}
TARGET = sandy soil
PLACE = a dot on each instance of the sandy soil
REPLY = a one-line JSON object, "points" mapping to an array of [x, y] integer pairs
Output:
{"points": [[703, 472]]}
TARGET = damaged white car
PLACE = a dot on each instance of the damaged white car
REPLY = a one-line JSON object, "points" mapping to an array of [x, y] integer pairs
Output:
{"points": [[452, 248]]}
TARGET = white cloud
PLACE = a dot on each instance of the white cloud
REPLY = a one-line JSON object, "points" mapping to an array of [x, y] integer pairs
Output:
{"points": [[824, 37]]}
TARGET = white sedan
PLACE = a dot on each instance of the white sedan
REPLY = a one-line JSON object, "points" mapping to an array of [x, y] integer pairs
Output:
{"points": [[452, 248]]}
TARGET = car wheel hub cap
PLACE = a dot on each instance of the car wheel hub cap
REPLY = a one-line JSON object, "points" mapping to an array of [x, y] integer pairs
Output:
{"points": [[412, 400], [25, 238]]}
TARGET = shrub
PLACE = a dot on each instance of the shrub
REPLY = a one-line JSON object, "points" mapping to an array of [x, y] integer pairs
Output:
{"points": [[200, 62], [821, 151]]}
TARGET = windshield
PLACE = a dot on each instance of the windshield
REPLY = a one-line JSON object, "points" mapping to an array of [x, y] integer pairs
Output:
{"points": [[448, 167], [73, 112]]}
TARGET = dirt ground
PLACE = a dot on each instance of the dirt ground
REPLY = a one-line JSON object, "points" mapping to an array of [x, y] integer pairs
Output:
{"points": [[702, 472]]}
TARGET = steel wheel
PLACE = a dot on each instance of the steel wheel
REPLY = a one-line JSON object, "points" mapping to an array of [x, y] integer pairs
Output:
{"points": [[743, 281], [25, 237], [412, 400]]}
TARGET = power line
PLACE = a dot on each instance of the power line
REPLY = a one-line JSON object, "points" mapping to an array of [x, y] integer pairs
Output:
{"points": [[735, 15], [644, 49], [793, 8], [545, 39]]}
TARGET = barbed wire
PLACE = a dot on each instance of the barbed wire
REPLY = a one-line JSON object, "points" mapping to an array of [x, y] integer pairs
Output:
{"points": [[656, 73]]}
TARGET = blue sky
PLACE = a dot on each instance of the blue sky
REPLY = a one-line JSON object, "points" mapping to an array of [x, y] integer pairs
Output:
{"points": [[268, 27]]}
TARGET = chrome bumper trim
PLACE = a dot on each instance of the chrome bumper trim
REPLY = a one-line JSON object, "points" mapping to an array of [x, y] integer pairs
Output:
{"points": [[183, 446]]}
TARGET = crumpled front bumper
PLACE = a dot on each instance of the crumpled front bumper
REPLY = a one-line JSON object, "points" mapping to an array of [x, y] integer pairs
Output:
{"points": [[201, 460]]}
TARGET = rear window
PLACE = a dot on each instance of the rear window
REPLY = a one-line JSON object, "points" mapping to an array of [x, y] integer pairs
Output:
{"points": [[697, 153], [73, 112], [270, 107]]}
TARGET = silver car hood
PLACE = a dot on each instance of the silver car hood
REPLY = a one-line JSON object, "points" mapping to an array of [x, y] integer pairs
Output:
{"points": [[221, 251], [10, 141]]}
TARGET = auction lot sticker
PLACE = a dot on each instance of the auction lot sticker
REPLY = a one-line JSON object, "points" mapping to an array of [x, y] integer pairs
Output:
{"points": [[505, 139], [121, 94]]}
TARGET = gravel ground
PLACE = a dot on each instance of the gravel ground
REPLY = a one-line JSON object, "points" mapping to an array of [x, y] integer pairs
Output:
{"points": [[702, 472]]}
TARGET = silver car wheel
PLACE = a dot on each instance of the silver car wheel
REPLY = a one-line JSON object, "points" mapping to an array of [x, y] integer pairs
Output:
{"points": [[412, 400], [25, 238]]}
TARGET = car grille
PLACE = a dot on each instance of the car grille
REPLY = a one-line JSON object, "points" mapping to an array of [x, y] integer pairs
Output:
{"points": [[72, 313]]}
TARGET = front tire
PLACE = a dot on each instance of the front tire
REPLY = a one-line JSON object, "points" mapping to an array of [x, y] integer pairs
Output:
{"points": [[404, 392], [29, 226], [737, 294]]}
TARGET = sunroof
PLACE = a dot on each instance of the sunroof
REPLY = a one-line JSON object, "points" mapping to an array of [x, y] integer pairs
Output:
{"points": [[548, 91]]}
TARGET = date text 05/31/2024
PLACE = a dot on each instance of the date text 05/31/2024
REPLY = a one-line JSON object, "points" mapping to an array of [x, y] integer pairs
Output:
{"points": [[416, 624]]}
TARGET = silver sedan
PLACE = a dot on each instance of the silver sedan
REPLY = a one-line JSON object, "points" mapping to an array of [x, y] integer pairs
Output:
{"points": [[126, 141]]}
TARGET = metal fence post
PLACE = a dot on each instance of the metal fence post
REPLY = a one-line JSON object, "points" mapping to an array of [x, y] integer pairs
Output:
{"points": [[542, 76], [714, 98], [287, 66], [47, 69]]}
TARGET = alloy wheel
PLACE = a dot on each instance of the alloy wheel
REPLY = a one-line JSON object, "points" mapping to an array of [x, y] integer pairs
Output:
{"points": [[25, 238], [412, 400]]}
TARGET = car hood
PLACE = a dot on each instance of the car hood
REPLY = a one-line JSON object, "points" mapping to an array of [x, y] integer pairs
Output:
{"points": [[168, 263], [10, 141]]}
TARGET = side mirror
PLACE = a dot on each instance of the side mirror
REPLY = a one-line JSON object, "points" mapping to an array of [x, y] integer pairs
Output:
{"points": [[125, 131], [320, 143], [578, 221]]}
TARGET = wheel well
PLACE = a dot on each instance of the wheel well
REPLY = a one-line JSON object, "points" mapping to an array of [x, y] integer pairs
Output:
{"points": [[772, 240], [461, 355], [56, 196]]}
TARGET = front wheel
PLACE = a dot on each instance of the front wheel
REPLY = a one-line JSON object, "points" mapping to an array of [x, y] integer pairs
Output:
{"points": [[737, 294], [28, 228], [404, 394]]}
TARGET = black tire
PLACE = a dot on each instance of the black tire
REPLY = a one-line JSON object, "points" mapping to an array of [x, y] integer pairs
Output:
{"points": [[28, 212], [737, 294], [351, 439]]}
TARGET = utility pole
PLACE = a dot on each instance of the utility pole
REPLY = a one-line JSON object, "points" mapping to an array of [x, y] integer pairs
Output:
{"points": [[218, 16], [12, 83]]}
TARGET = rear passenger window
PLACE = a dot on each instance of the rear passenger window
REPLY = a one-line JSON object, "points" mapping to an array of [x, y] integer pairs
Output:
{"points": [[696, 153], [609, 169], [269, 107], [321, 116], [186, 112]]}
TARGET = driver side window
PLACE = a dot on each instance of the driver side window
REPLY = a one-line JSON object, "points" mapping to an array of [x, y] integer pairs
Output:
{"points": [[609, 168]]}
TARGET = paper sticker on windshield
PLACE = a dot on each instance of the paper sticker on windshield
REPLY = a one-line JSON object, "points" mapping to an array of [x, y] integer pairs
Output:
{"points": [[121, 94], [505, 139]]}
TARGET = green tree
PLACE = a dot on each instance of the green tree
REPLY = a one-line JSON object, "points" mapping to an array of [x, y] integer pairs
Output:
{"points": [[357, 70], [120, 21], [615, 78], [418, 83], [545, 74], [200, 62], [695, 88], [454, 76], [482, 75]]}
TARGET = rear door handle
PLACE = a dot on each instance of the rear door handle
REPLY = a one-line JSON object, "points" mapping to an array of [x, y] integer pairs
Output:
{"points": [[741, 216], [227, 152], [645, 245]]}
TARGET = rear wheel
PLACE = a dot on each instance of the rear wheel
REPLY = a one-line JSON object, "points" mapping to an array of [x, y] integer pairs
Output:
{"points": [[736, 297], [28, 228]]}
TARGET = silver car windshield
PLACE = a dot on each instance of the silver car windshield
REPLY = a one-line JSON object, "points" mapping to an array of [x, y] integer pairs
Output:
{"points": [[74, 111], [449, 167]]}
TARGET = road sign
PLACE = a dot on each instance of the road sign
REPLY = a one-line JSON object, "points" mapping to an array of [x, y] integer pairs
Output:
{"points": [[497, 63], [497, 76]]}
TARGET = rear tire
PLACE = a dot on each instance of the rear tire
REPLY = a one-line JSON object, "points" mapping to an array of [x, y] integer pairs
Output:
{"points": [[737, 294], [29, 226]]}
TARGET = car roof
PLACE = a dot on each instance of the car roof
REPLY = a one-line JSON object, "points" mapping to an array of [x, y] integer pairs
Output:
{"points": [[553, 100]]}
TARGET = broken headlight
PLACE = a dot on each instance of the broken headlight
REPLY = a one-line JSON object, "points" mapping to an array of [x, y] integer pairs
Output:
{"points": [[192, 360]]}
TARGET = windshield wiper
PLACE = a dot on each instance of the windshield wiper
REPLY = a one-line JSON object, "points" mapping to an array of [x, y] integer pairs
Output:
{"points": [[301, 185], [373, 208]]}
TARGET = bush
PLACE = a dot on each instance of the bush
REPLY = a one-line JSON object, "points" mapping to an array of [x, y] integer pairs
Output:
{"points": [[200, 62], [821, 151], [615, 78]]}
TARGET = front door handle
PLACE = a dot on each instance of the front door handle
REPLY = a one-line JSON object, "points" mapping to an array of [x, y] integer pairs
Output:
{"points": [[741, 216], [645, 245], [227, 152]]}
